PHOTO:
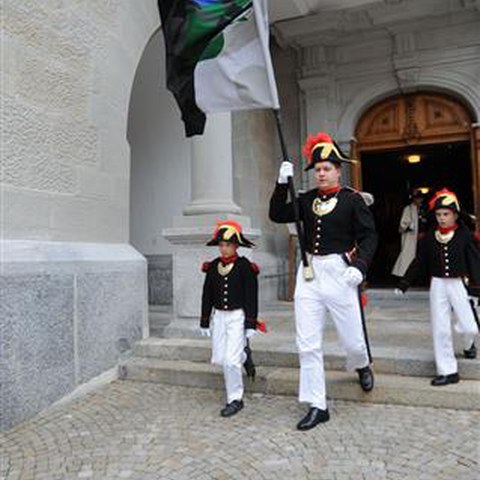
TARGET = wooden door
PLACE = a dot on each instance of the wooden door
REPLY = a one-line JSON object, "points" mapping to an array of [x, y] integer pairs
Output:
{"points": [[416, 119]]}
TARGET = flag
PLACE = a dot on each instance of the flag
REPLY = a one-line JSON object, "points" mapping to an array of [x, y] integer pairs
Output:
{"points": [[218, 57]]}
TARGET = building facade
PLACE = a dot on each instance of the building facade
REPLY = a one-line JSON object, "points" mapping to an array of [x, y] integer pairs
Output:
{"points": [[99, 185]]}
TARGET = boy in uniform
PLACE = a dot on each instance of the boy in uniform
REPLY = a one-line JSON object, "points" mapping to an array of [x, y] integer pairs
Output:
{"points": [[230, 303], [448, 254]]}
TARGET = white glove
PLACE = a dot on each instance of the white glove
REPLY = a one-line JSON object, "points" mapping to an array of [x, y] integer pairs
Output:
{"points": [[250, 332], [205, 332], [353, 276], [398, 292], [286, 170]]}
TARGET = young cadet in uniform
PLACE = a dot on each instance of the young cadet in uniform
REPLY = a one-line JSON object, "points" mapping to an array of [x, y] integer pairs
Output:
{"points": [[230, 291], [448, 255], [336, 221]]}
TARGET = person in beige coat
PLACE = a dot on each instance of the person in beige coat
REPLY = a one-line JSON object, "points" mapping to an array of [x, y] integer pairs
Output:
{"points": [[408, 228]]}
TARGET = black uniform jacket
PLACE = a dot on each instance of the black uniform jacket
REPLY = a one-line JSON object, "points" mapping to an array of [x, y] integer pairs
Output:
{"points": [[237, 289], [460, 257], [349, 225]]}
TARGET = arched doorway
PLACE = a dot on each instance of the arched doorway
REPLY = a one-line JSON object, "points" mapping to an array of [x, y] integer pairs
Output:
{"points": [[420, 140], [160, 167]]}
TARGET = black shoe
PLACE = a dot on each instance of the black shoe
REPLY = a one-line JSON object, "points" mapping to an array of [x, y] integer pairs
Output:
{"points": [[365, 377], [471, 352], [313, 418], [231, 408], [442, 380]]}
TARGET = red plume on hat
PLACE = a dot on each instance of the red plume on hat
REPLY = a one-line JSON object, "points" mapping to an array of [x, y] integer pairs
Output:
{"points": [[322, 148], [444, 198], [312, 141], [229, 231], [227, 223]]}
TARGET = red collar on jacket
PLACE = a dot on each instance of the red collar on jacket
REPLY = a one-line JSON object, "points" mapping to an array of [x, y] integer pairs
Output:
{"points": [[230, 259], [444, 230], [329, 191]]}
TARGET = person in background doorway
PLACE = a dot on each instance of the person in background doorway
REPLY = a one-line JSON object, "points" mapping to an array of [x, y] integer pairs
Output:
{"points": [[409, 229]]}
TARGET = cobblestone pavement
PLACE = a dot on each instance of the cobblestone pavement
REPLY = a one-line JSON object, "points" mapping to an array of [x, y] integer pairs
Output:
{"points": [[129, 430]]}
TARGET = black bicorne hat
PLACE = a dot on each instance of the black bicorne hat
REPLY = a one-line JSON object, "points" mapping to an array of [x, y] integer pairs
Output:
{"points": [[229, 231], [322, 148], [444, 199]]}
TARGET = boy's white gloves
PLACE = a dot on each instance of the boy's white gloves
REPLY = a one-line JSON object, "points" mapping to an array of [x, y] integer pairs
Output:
{"points": [[205, 332], [353, 276], [250, 332], [286, 170]]}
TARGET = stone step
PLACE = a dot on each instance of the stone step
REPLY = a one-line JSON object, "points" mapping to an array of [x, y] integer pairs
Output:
{"points": [[389, 389], [412, 362], [386, 294]]}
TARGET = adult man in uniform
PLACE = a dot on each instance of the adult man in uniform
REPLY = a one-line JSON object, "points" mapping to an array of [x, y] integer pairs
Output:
{"points": [[340, 238]]}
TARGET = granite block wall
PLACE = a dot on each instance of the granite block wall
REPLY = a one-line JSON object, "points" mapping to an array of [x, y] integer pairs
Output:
{"points": [[67, 313]]}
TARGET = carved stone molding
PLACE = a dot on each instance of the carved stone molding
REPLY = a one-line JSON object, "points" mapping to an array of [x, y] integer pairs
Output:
{"points": [[393, 14], [404, 43], [408, 77]]}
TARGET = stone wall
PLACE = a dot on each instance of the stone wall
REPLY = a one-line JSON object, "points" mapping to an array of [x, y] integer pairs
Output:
{"points": [[67, 72], [67, 312], [160, 279], [73, 292]]}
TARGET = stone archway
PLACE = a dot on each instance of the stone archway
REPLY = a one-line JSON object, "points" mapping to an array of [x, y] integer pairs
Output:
{"points": [[422, 118]]}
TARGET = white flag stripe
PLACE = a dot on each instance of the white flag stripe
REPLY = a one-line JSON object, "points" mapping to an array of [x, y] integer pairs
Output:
{"points": [[260, 8], [241, 77]]}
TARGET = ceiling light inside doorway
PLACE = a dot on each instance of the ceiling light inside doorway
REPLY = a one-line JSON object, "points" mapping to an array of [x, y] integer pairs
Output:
{"points": [[414, 158]]}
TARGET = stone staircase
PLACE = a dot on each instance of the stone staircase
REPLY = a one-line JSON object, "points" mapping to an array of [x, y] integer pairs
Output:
{"points": [[401, 345]]}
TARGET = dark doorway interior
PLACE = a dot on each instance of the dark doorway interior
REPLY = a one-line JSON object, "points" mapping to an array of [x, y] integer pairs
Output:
{"points": [[390, 178]]}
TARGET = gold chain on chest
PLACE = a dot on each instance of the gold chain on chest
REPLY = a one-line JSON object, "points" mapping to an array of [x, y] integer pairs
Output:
{"points": [[444, 237], [224, 270], [324, 207]]}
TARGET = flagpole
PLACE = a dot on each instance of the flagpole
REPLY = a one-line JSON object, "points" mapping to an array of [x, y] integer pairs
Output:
{"points": [[307, 268]]}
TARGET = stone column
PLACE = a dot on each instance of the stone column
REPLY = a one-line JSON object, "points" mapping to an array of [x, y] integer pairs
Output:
{"points": [[212, 170], [212, 200]]}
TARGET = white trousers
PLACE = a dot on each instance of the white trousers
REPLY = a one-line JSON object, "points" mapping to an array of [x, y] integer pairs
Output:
{"points": [[447, 294], [228, 344], [328, 292]]}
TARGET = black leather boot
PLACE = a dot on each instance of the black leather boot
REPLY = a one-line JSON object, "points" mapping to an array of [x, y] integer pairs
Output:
{"points": [[231, 408], [365, 377], [313, 418], [470, 353], [442, 380]]}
